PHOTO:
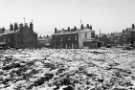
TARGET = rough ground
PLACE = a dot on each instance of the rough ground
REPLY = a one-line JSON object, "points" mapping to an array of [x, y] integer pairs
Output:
{"points": [[55, 69]]}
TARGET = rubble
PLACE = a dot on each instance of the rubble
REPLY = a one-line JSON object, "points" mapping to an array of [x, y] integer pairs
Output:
{"points": [[67, 69]]}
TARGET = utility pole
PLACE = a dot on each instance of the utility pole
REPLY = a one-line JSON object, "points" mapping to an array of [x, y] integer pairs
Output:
{"points": [[81, 22]]}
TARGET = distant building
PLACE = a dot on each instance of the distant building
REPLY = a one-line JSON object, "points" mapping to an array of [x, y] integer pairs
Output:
{"points": [[73, 37], [19, 36], [44, 41], [110, 38], [128, 35]]}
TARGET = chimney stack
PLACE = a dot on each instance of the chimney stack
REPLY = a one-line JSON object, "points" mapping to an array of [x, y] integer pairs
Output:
{"points": [[55, 30], [82, 27], [88, 26], [26, 25], [3, 29], [75, 28], [31, 26], [133, 26], [68, 29], [11, 27], [15, 26], [21, 26]]}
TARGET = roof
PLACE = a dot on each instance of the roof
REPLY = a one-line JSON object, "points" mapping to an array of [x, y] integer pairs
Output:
{"points": [[130, 29], [6, 32], [73, 32]]}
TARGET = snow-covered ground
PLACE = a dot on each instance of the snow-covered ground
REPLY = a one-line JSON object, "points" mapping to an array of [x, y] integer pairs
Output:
{"points": [[73, 69]]}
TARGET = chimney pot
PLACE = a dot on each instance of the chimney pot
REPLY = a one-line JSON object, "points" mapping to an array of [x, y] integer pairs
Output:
{"points": [[133, 26], [82, 27], [55, 30]]}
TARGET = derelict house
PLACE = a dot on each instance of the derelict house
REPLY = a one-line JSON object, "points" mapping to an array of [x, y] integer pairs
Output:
{"points": [[18, 36], [128, 35], [82, 37]]}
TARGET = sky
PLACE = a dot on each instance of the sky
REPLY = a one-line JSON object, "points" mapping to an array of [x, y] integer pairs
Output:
{"points": [[104, 15]]}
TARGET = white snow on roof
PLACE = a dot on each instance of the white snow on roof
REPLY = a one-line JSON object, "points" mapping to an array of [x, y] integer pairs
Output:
{"points": [[6, 32]]}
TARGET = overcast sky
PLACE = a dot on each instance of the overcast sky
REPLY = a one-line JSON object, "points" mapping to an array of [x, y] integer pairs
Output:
{"points": [[104, 15]]}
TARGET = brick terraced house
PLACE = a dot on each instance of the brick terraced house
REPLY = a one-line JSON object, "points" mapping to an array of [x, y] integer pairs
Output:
{"points": [[18, 36], [74, 37]]}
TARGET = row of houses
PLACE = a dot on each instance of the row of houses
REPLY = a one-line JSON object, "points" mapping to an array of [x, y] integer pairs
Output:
{"points": [[85, 37], [82, 37], [18, 36], [22, 36], [126, 36], [68, 38]]}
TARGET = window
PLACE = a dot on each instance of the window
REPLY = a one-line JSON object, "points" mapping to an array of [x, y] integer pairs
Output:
{"points": [[93, 34], [85, 35], [75, 37], [61, 39], [69, 38]]}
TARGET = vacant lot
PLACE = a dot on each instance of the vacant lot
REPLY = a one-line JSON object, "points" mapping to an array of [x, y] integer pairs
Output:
{"points": [[61, 69]]}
